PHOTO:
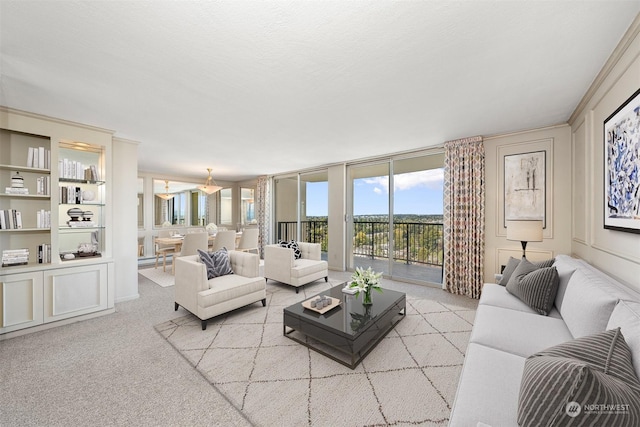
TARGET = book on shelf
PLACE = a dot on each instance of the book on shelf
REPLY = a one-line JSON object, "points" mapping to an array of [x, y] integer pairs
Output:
{"points": [[81, 224], [94, 173], [43, 185], [43, 219], [10, 219], [39, 157], [15, 257], [44, 253], [72, 169], [71, 195], [13, 190]]}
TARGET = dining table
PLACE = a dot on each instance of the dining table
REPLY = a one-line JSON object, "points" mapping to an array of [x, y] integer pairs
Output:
{"points": [[176, 240]]}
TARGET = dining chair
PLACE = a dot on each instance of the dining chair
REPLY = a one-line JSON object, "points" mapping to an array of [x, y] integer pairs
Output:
{"points": [[195, 230], [164, 250], [225, 239], [248, 240], [190, 245], [141, 246]]}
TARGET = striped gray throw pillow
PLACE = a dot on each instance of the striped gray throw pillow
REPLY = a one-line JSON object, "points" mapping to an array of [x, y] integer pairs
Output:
{"points": [[536, 288], [588, 381], [217, 263], [513, 263]]}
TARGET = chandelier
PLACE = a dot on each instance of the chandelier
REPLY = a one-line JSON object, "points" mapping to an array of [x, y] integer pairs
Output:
{"points": [[209, 186], [166, 195]]}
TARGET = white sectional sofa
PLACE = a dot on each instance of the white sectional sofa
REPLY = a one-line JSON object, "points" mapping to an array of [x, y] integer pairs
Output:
{"points": [[507, 331]]}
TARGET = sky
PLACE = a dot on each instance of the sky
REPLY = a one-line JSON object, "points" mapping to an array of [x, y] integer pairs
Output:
{"points": [[415, 193]]}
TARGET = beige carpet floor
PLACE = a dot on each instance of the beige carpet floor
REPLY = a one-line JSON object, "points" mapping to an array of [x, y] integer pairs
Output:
{"points": [[159, 277], [410, 378]]}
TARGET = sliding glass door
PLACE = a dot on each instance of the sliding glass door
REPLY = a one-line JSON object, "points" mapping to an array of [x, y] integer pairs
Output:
{"points": [[314, 209], [301, 208], [395, 217], [368, 226], [417, 218]]}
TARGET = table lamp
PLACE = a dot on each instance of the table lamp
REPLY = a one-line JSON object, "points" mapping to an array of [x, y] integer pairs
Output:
{"points": [[524, 231]]}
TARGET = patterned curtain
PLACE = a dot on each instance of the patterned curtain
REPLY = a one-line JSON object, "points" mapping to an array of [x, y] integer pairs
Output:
{"points": [[263, 206], [464, 197]]}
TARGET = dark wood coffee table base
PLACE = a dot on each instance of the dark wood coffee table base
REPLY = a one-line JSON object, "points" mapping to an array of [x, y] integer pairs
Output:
{"points": [[356, 346]]}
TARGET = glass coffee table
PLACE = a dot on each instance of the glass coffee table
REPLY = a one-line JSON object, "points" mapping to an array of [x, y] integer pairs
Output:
{"points": [[348, 332]]}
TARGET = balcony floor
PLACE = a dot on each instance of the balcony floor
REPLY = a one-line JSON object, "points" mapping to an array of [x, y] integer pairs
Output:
{"points": [[401, 270]]}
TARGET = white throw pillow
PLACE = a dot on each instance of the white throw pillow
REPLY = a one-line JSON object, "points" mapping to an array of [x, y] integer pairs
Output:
{"points": [[587, 304], [626, 316]]}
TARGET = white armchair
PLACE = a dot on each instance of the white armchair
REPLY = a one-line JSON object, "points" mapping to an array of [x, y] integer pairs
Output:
{"points": [[207, 298], [280, 264]]}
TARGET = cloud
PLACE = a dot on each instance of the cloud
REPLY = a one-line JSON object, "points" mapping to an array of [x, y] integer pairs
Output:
{"points": [[377, 190], [431, 179]]}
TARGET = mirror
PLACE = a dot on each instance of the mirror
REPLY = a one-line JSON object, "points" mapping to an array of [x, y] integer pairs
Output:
{"points": [[181, 204], [247, 206], [226, 208]]}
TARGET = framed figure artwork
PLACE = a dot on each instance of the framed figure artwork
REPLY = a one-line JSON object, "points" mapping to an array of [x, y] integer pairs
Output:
{"points": [[525, 186], [622, 167]]}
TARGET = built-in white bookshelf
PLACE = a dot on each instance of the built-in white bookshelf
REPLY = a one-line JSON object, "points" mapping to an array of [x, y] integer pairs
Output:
{"points": [[56, 247]]}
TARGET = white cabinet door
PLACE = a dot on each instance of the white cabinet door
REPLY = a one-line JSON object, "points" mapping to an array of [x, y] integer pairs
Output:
{"points": [[74, 291], [21, 301]]}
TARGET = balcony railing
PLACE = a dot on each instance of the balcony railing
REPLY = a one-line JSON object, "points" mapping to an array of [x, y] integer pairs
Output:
{"points": [[415, 242], [311, 231]]}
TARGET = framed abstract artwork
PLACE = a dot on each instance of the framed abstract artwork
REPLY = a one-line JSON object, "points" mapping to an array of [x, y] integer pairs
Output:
{"points": [[622, 167], [525, 186]]}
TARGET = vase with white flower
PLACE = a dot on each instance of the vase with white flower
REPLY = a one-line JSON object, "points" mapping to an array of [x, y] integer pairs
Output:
{"points": [[364, 281], [211, 228]]}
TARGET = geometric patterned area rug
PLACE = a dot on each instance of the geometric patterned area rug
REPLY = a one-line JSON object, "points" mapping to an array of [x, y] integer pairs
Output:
{"points": [[158, 276], [409, 378]]}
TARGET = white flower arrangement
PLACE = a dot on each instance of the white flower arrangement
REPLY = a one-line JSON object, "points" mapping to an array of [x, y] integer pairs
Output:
{"points": [[364, 281], [211, 228]]}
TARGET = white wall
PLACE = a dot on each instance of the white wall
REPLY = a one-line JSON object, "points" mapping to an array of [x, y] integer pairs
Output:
{"points": [[125, 220], [336, 219], [615, 252]]}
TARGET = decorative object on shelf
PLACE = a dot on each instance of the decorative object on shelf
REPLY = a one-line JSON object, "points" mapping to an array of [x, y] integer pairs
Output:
{"points": [[75, 214], [364, 281], [87, 249], [87, 215], [212, 228], [17, 185], [621, 160], [210, 185], [17, 181], [525, 186], [68, 256], [166, 195], [88, 195]]}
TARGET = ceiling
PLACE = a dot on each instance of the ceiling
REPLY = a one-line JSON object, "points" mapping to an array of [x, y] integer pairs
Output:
{"points": [[263, 87]]}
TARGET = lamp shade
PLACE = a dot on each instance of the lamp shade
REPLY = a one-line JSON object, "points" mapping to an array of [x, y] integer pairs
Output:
{"points": [[210, 185], [166, 195], [209, 189], [524, 230]]}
